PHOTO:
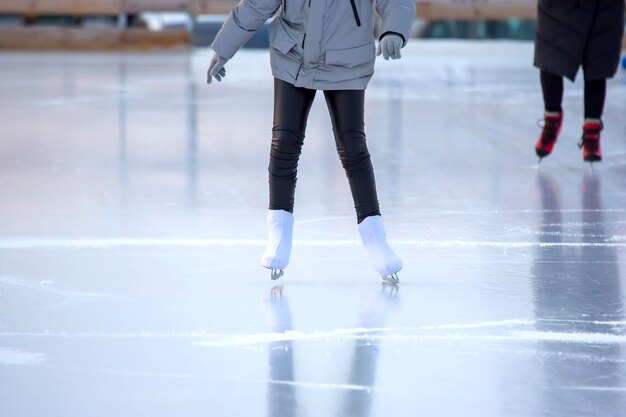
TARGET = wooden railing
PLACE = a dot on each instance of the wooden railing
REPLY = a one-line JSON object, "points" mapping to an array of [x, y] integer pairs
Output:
{"points": [[38, 37], [113, 7], [476, 9]]}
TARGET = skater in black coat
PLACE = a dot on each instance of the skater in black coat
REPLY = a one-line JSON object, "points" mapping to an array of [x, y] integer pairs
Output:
{"points": [[571, 34]]}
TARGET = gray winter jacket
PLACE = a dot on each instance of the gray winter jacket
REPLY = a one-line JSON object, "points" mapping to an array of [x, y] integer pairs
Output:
{"points": [[317, 44]]}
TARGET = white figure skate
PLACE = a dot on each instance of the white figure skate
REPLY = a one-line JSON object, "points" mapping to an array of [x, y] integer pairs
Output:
{"points": [[386, 262], [278, 249]]}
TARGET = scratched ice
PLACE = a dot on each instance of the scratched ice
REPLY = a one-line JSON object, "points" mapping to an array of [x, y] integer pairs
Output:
{"points": [[132, 223]]}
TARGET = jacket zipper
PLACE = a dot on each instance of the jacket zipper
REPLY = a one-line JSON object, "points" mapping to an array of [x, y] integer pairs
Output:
{"points": [[355, 12], [304, 37]]}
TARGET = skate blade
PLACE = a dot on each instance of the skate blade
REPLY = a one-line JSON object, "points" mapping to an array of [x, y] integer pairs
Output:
{"points": [[391, 279], [276, 273]]}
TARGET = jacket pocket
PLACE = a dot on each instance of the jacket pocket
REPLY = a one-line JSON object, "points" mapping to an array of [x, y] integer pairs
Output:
{"points": [[355, 12], [279, 39], [351, 57], [283, 45]]}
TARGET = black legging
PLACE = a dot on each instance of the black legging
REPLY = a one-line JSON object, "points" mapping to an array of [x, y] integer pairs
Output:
{"points": [[595, 93], [346, 108]]}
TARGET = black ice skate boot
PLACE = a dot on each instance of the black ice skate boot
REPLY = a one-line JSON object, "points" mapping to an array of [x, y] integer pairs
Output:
{"points": [[590, 141]]}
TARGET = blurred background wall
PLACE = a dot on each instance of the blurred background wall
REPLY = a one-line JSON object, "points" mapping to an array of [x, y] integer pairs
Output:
{"points": [[143, 24], [140, 24]]}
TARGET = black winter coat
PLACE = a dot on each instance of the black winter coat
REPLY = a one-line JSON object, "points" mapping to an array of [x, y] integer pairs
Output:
{"points": [[574, 33]]}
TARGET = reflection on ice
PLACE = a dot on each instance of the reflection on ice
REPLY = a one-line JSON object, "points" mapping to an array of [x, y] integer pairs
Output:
{"points": [[357, 391], [132, 225], [579, 290]]}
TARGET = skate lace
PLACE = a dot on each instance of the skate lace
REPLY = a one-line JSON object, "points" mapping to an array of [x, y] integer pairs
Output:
{"points": [[590, 139], [550, 128]]}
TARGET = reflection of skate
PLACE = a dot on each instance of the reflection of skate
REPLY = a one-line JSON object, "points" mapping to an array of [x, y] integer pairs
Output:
{"points": [[550, 199], [374, 238], [278, 310], [388, 297], [591, 193], [380, 305], [281, 392], [278, 249], [390, 288], [277, 292], [366, 352]]}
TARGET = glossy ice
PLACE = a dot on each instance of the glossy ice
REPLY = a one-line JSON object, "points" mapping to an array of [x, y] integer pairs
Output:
{"points": [[132, 224]]}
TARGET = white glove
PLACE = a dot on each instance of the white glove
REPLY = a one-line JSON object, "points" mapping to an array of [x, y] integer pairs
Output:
{"points": [[390, 46], [216, 68]]}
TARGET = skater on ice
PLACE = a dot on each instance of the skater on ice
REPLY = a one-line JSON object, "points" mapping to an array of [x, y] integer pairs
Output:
{"points": [[323, 45], [571, 34]]}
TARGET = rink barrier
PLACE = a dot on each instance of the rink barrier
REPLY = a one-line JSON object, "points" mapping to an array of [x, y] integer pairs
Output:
{"points": [[473, 10], [442, 9], [122, 37], [91, 39], [113, 7], [116, 37]]}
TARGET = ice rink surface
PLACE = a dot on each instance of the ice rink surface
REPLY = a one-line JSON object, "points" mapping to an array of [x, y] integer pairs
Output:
{"points": [[132, 225]]}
